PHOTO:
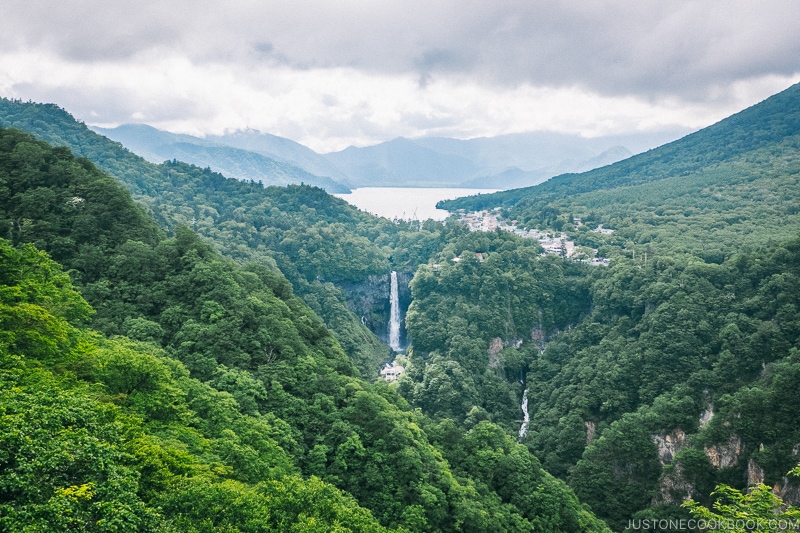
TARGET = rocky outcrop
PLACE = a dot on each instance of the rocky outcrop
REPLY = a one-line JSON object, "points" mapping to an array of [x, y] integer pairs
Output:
{"points": [[495, 347], [674, 489], [706, 416], [669, 444], [725, 455], [787, 491], [591, 427], [755, 474]]}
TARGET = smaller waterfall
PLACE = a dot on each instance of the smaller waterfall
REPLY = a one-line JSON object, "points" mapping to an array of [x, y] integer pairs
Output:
{"points": [[394, 317], [523, 430]]}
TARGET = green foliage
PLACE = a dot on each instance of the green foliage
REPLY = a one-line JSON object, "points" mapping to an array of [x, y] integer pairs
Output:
{"points": [[464, 313], [217, 417], [115, 432], [758, 508]]}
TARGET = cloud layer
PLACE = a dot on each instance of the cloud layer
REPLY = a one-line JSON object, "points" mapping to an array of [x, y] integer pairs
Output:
{"points": [[349, 72]]}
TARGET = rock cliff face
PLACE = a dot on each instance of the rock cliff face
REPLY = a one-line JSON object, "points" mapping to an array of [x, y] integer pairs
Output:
{"points": [[369, 300], [725, 455], [755, 474], [787, 491], [669, 445]]}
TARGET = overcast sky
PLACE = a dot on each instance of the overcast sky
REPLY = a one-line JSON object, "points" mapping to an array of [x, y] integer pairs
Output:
{"points": [[331, 74]]}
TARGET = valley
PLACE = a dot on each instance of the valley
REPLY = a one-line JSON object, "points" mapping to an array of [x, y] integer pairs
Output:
{"points": [[189, 348]]}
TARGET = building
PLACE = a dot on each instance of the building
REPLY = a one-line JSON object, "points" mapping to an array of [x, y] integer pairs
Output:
{"points": [[392, 371]]}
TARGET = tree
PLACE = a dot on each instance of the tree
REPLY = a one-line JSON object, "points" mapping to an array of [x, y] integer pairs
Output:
{"points": [[758, 509]]}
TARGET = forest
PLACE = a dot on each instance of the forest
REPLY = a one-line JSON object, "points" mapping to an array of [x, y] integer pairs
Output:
{"points": [[180, 353]]}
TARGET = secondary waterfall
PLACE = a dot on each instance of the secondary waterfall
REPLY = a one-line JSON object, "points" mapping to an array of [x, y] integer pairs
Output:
{"points": [[525, 418], [394, 317]]}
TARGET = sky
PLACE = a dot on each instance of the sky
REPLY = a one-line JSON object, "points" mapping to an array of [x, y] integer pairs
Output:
{"points": [[330, 74]]}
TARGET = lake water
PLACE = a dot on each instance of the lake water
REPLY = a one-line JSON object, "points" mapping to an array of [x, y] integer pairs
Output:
{"points": [[406, 202]]}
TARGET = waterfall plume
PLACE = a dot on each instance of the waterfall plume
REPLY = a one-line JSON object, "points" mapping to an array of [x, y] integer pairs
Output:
{"points": [[394, 317]]}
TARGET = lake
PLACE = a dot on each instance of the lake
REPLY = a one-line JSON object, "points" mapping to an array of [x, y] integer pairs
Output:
{"points": [[406, 202]]}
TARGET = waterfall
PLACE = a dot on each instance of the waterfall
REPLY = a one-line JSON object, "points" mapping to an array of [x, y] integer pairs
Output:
{"points": [[526, 418], [394, 317]]}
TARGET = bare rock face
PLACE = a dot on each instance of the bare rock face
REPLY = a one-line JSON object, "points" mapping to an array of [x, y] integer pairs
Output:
{"points": [[591, 427], [706, 416], [674, 489], [669, 445], [494, 352], [497, 344], [755, 474], [789, 493], [725, 455]]}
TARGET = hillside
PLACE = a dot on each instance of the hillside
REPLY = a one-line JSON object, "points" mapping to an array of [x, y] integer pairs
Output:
{"points": [[675, 374], [226, 407], [245, 221], [769, 123]]}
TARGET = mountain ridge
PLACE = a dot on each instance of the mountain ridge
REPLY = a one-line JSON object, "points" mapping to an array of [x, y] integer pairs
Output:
{"points": [[771, 120], [157, 146]]}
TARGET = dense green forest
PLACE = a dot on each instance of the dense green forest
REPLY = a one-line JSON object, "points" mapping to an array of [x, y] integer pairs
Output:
{"points": [[658, 378], [318, 241], [189, 393], [681, 372]]}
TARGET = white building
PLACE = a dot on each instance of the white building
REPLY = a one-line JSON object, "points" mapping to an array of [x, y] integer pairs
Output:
{"points": [[391, 372]]}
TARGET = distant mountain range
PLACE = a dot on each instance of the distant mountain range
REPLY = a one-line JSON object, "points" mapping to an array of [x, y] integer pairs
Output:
{"points": [[246, 155], [503, 162]]}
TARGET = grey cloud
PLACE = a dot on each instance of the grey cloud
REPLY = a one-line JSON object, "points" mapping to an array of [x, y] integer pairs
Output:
{"points": [[684, 48]]}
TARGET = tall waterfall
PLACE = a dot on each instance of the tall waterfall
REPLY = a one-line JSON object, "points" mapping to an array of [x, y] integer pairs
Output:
{"points": [[394, 317], [526, 418]]}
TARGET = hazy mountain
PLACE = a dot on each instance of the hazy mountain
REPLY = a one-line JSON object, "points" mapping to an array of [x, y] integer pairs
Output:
{"points": [[281, 149], [157, 145], [401, 162], [506, 161], [762, 127], [515, 177]]}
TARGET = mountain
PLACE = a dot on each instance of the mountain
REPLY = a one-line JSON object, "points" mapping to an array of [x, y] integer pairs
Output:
{"points": [[515, 177], [280, 149], [240, 163], [675, 376], [504, 162], [401, 163], [198, 394]]}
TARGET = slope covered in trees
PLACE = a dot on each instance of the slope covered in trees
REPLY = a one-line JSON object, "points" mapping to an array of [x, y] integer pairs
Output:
{"points": [[659, 377], [227, 406], [679, 371], [315, 239]]}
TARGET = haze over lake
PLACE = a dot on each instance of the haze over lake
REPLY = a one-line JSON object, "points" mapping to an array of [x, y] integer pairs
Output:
{"points": [[406, 202]]}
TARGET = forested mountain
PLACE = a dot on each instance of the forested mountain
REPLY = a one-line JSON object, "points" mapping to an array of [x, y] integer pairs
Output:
{"points": [[232, 156], [677, 369], [316, 239], [639, 384], [227, 407]]}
